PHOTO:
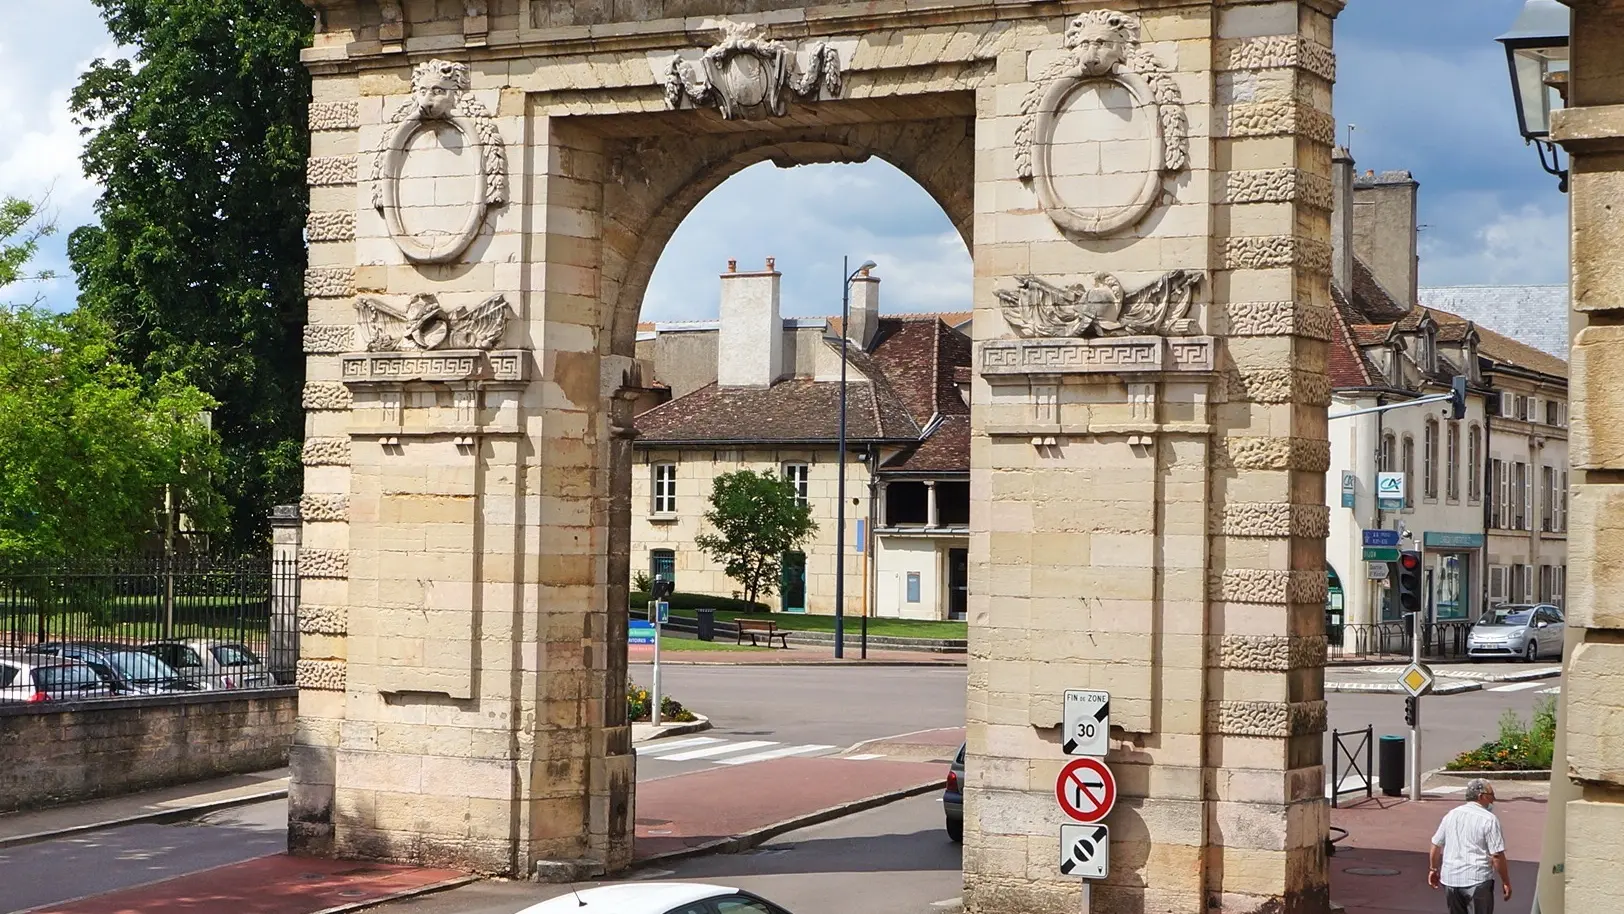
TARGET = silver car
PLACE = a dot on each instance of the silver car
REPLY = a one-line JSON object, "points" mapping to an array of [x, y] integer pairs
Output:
{"points": [[1517, 631], [213, 664]]}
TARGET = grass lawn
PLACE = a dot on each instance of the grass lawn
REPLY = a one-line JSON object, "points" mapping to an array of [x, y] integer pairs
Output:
{"points": [[884, 628], [679, 643]]}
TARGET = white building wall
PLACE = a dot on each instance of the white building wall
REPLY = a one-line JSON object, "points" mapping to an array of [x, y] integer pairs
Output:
{"points": [[899, 556]]}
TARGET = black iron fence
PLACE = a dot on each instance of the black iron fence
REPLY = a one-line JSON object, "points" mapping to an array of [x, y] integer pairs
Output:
{"points": [[1352, 755], [1439, 640], [145, 625]]}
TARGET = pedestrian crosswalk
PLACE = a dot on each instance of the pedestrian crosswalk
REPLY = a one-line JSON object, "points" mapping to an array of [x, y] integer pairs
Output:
{"points": [[1517, 686], [718, 751]]}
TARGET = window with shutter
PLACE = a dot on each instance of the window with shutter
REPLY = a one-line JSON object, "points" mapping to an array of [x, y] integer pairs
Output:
{"points": [[1409, 472], [1474, 480], [1528, 583], [1429, 459], [1497, 583]]}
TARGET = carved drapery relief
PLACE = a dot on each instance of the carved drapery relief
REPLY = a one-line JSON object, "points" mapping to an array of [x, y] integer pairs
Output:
{"points": [[440, 95], [1105, 50], [427, 325], [1101, 306], [748, 76]]}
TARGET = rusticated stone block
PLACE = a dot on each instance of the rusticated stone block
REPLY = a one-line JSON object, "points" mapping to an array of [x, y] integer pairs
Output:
{"points": [[326, 452], [345, 115], [324, 563], [1266, 252], [1270, 653], [1245, 453], [1274, 519], [1279, 117], [1594, 846], [1596, 441], [1272, 52], [1280, 385], [329, 282], [330, 227], [1275, 318], [331, 171], [1594, 688], [326, 395], [328, 339], [324, 507], [1278, 185], [320, 675], [323, 620], [1267, 585], [1279, 719]]}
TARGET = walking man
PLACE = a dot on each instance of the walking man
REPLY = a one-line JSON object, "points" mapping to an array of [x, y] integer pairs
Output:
{"points": [[1468, 851]]}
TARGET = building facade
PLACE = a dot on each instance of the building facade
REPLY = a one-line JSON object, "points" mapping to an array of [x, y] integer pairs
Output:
{"points": [[1482, 496], [753, 391]]}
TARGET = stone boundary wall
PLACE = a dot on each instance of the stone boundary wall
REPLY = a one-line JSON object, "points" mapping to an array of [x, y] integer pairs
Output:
{"points": [[65, 752]]}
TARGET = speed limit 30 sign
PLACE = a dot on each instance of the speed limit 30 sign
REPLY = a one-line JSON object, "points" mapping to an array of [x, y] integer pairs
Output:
{"points": [[1087, 717]]}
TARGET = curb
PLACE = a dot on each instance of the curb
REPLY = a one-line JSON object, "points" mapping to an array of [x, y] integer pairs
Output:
{"points": [[176, 814], [1529, 774], [740, 843], [453, 883], [1393, 688], [694, 726]]}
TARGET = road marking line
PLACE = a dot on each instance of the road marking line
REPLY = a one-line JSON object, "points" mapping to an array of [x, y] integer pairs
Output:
{"points": [[862, 758], [724, 749], [1518, 686], [770, 754], [677, 744], [1554, 691]]}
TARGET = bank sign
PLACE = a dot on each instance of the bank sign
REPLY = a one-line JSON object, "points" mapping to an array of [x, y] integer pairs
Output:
{"points": [[1390, 491]]}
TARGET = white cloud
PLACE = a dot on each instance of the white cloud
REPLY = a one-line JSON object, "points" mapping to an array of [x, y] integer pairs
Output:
{"points": [[808, 218], [1525, 246]]}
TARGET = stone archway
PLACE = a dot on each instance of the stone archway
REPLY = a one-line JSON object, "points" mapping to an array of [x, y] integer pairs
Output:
{"points": [[1147, 200]]}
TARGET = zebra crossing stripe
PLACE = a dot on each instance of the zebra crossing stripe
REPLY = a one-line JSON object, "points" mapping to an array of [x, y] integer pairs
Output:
{"points": [[723, 749], [771, 754], [675, 744]]}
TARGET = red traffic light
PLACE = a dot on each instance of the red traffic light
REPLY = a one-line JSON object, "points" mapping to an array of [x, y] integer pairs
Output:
{"points": [[1410, 561]]}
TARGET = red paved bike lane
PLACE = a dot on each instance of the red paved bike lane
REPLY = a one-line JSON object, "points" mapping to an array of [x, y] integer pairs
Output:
{"points": [[675, 816]]}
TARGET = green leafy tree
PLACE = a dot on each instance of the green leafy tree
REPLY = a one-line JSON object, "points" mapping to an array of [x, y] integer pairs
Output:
{"points": [[197, 263], [757, 517], [21, 228], [87, 446]]}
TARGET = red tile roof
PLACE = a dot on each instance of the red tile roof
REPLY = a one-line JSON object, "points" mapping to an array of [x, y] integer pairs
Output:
{"points": [[1348, 367]]}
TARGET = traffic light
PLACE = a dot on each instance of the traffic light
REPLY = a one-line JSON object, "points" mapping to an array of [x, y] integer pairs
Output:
{"points": [[662, 588], [1412, 711], [1408, 584], [1457, 398]]}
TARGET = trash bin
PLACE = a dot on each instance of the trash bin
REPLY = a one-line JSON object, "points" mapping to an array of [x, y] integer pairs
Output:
{"points": [[706, 623], [1391, 764]]}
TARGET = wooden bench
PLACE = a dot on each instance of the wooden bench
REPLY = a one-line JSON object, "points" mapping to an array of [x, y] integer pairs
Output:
{"points": [[754, 627]]}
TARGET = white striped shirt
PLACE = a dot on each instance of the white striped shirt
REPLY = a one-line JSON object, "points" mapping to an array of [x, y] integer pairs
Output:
{"points": [[1470, 835]]}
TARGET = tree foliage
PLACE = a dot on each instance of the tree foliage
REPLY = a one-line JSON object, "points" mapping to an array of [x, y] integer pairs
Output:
{"points": [[756, 518], [21, 228], [197, 263], [87, 445]]}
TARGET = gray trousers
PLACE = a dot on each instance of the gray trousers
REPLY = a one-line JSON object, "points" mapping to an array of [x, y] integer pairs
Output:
{"points": [[1477, 899]]}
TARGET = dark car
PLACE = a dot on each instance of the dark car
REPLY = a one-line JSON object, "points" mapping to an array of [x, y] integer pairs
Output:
{"points": [[29, 677], [953, 798], [130, 671]]}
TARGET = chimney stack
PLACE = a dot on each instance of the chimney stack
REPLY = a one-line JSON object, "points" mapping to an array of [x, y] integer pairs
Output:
{"points": [[1384, 231], [750, 343], [865, 310], [1342, 172]]}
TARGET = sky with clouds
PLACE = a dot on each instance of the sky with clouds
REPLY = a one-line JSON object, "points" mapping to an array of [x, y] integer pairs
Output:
{"points": [[1422, 80]]}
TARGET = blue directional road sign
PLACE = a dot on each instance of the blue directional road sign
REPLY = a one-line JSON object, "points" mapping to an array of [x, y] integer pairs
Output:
{"points": [[1381, 538]]}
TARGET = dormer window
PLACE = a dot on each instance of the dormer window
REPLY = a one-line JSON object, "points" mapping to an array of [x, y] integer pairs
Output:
{"points": [[1429, 349]]}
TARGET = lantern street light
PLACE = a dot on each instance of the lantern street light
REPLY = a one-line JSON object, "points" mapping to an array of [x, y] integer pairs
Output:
{"points": [[1537, 53]]}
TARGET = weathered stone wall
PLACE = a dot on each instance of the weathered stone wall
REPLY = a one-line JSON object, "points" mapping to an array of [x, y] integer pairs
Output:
{"points": [[64, 753]]}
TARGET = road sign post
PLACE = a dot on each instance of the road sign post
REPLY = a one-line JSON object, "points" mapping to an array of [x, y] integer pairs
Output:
{"points": [[1087, 715]]}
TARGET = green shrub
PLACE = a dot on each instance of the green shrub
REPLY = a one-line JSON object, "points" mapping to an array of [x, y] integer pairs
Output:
{"points": [[641, 582], [640, 599], [637, 706], [1519, 747]]}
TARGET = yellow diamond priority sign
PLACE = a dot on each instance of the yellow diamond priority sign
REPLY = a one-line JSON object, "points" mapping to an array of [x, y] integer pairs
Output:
{"points": [[1416, 679]]}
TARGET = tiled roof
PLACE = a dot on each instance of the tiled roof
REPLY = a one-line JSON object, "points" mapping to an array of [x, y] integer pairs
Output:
{"points": [[1508, 351], [1348, 367], [795, 410], [1372, 303], [1536, 315], [1370, 334], [947, 450]]}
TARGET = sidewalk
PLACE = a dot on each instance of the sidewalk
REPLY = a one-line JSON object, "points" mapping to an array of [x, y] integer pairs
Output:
{"points": [[168, 803], [1381, 866]]}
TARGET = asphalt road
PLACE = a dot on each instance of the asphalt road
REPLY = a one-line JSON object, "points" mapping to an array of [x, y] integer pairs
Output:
{"points": [[823, 710], [67, 868], [892, 860], [1450, 724]]}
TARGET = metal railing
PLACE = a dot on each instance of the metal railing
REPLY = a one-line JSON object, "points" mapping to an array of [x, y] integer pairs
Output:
{"points": [[145, 625], [1439, 640], [1346, 767]]}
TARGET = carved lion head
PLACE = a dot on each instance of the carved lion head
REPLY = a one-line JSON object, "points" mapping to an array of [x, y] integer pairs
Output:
{"points": [[438, 86], [1102, 39]]}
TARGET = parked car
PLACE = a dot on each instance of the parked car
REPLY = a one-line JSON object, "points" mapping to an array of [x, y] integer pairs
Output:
{"points": [[30, 677], [953, 798], [1513, 631], [657, 898], [213, 664], [131, 671]]}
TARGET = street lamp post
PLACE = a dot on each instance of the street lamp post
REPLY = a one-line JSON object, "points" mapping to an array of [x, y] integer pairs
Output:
{"points": [[1537, 53], [840, 484]]}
